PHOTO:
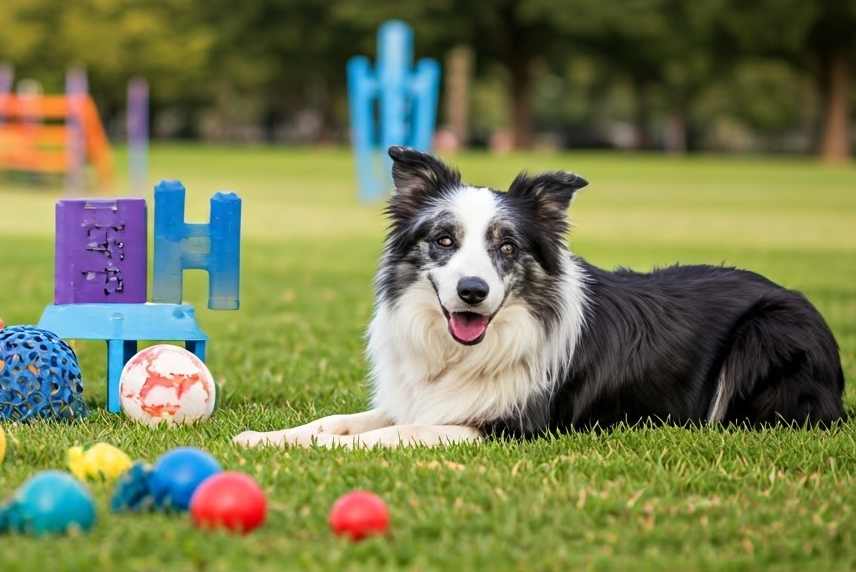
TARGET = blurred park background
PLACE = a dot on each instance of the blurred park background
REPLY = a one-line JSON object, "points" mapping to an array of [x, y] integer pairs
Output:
{"points": [[669, 75], [712, 131]]}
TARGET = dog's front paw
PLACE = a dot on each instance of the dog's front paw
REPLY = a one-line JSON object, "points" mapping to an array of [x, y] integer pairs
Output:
{"points": [[304, 437], [258, 438], [299, 437]]}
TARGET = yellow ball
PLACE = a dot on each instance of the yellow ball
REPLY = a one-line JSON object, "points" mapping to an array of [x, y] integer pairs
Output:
{"points": [[2, 445], [101, 461]]}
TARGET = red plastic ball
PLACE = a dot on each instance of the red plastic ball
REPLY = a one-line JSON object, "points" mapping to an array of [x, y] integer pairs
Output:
{"points": [[359, 514], [229, 500]]}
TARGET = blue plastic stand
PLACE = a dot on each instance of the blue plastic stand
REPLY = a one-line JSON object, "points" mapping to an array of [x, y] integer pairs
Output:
{"points": [[214, 247], [406, 100], [122, 326]]}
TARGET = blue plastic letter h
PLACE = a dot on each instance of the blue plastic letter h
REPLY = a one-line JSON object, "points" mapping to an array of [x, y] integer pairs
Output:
{"points": [[214, 247]]}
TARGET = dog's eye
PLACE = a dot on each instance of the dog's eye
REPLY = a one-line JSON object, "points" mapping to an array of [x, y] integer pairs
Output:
{"points": [[508, 249], [445, 241]]}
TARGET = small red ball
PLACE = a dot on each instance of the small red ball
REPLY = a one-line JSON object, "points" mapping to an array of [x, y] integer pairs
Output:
{"points": [[229, 500], [359, 514]]}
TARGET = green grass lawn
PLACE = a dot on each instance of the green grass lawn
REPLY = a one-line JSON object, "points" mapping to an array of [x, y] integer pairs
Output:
{"points": [[639, 498]]}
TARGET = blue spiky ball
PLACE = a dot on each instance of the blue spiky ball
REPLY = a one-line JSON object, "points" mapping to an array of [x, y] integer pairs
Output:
{"points": [[39, 376]]}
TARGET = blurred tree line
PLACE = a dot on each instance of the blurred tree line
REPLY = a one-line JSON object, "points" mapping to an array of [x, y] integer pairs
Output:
{"points": [[659, 74]]}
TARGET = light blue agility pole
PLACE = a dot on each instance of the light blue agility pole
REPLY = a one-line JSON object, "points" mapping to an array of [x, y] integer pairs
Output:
{"points": [[391, 104]]}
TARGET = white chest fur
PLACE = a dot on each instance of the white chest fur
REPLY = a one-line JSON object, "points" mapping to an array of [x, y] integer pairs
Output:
{"points": [[421, 375]]}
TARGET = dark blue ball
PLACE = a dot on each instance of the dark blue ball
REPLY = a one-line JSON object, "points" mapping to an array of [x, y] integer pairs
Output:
{"points": [[178, 473], [39, 376]]}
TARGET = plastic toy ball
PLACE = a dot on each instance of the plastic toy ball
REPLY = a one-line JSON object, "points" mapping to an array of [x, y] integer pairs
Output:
{"points": [[52, 502], [229, 500], [166, 384], [2, 445], [359, 514], [101, 461], [39, 376], [177, 475], [132, 492]]}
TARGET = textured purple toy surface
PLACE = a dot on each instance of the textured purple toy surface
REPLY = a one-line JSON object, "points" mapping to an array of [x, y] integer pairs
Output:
{"points": [[101, 250]]}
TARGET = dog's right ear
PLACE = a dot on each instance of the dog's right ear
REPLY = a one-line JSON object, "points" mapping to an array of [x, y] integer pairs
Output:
{"points": [[551, 192], [418, 177]]}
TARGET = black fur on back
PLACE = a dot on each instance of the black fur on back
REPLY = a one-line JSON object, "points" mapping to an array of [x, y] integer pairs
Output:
{"points": [[655, 346]]}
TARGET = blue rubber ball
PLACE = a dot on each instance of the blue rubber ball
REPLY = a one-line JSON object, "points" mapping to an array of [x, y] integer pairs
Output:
{"points": [[178, 473], [52, 502], [39, 376]]}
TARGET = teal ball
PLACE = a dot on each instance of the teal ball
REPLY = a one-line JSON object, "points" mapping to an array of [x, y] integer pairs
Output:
{"points": [[52, 502]]}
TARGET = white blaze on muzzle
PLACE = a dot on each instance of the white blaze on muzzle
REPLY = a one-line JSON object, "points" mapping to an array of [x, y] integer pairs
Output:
{"points": [[473, 209]]}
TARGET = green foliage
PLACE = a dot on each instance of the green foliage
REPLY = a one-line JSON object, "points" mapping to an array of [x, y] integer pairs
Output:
{"points": [[115, 40], [635, 498], [797, 30], [231, 70], [738, 96]]}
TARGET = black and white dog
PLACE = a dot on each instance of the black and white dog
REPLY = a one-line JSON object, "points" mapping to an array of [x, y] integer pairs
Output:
{"points": [[486, 324]]}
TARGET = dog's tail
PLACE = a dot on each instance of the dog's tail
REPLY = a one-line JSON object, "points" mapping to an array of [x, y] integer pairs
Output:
{"points": [[782, 366]]}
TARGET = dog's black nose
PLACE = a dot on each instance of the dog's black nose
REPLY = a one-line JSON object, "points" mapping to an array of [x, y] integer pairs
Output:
{"points": [[472, 289]]}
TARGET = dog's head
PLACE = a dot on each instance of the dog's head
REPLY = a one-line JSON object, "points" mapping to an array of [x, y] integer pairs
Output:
{"points": [[479, 249]]}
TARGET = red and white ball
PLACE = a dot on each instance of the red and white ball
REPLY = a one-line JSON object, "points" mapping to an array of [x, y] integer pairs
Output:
{"points": [[166, 384]]}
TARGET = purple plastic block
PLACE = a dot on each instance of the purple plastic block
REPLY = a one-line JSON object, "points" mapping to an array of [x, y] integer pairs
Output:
{"points": [[101, 251]]}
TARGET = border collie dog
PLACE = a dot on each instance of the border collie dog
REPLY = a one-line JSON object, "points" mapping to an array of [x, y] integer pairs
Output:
{"points": [[486, 324]]}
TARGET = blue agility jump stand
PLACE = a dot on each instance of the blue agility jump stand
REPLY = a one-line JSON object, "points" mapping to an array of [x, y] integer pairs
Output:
{"points": [[405, 100], [214, 247], [122, 326]]}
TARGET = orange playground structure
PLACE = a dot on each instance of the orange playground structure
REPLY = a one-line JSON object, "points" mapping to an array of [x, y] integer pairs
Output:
{"points": [[53, 134]]}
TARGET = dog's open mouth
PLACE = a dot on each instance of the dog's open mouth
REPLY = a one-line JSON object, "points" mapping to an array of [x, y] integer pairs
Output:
{"points": [[467, 328]]}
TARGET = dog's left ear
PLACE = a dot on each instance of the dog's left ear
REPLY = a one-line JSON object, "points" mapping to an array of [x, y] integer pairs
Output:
{"points": [[552, 192], [417, 173], [419, 178]]}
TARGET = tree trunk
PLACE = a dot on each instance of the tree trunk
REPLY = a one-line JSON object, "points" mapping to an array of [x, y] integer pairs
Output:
{"points": [[676, 133], [835, 98], [459, 70], [521, 100], [642, 117]]}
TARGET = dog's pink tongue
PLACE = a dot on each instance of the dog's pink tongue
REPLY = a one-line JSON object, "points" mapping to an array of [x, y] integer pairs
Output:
{"points": [[467, 327]]}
